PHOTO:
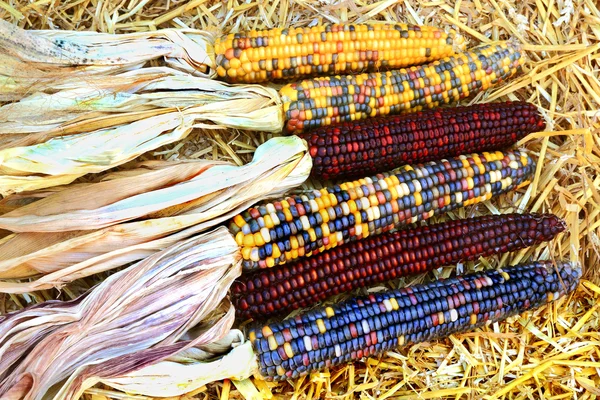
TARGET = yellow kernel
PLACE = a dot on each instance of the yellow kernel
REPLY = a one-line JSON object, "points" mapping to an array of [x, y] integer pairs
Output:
{"points": [[288, 350], [294, 242], [418, 199], [239, 220], [321, 325], [239, 238], [276, 251], [258, 239], [272, 343], [441, 317], [266, 331], [248, 240], [329, 312], [288, 214], [246, 252]]}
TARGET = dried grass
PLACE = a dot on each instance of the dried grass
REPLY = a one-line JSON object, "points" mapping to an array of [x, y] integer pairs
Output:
{"points": [[551, 353]]}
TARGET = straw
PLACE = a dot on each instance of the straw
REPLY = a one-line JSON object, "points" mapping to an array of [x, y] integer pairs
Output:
{"points": [[507, 360]]}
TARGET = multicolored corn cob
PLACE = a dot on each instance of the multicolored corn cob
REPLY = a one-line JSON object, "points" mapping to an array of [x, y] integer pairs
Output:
{"points": [[331, 100], [381, 258], [359, 148], [276, 54], [373, 324], [303, 225]]}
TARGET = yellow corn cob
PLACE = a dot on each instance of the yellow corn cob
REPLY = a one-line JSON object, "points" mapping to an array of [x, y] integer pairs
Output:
{"points": [[276, 54]]}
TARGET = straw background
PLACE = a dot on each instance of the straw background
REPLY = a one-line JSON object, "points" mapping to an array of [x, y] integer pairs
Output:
{"points": [[552, 353]]}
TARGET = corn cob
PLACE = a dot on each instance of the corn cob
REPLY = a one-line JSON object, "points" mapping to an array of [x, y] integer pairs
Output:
{"points": [[331, 100], [276, 54], [373, 324], [358, 148], [381, 258], [302, 225]]}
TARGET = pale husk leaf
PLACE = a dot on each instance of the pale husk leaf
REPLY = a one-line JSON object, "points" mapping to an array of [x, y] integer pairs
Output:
{"points": [[62, 159], [279, 164], [32, 59], [135, 317], [107, 102], [175, 378]]}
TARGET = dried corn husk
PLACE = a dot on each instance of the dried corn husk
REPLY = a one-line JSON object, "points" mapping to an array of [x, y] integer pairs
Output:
{"points": [[136, 317], [173, 213], [62, 159], [31, 61], [109, 102], [232, 357]]}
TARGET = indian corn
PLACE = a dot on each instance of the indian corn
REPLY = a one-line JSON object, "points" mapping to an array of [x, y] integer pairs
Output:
{"points": [[281, 231], [371, 325], [324, 101], [369, 146], [381, 258], [288, 53]]}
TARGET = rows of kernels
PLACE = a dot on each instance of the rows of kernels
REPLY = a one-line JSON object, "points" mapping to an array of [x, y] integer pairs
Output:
{"points": [[287, 53], [381, 258], [318, 102], [374, 324], [363, 147], [303, 225]]}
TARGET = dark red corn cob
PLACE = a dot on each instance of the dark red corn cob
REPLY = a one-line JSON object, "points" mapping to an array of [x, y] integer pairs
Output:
{"points": [[382, 258], [359, 148], [373, 324]]}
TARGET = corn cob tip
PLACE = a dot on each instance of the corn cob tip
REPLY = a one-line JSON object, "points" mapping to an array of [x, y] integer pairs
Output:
{"points": [[568, 274]]}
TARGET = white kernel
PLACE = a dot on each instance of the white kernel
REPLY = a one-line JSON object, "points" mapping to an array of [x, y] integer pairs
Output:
{"points": [[405, 189], [275, 219], [459, 197], [264, 232], [376, 212], [307, 343], [338, 350], [453, 315], [388, 305], [417, 185], [314, 207], [345, 208], [365, 203], [305, 223], [365, 327], [358, 229]]}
